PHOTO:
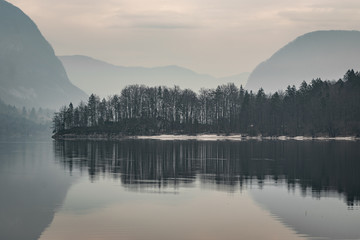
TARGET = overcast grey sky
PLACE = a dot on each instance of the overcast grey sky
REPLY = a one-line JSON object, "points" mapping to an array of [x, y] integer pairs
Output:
{"points": [[218, 37]]}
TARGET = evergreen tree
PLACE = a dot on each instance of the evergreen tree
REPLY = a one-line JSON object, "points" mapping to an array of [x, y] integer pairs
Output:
{"points": [[321, 108]]}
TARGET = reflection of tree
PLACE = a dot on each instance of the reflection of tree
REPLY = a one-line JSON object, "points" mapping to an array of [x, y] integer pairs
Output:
{"points": [[319, 166]]}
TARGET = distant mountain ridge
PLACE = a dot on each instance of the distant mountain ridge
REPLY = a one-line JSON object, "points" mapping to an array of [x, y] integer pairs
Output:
{"points": [[321, 54], [30, 73], [87, 73]]}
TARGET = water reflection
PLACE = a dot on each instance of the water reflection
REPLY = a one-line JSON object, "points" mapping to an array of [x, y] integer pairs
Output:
{"points": [[316, 168], [32, 188], [325, 218]]}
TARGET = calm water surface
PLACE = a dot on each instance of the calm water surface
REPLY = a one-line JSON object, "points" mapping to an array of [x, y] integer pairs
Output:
{"points": [[149, 189]]}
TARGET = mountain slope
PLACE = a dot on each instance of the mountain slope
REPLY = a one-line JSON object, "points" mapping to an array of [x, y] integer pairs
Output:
{"points": [[102, 78], [30, 73], [321, 54], [15, 124]]}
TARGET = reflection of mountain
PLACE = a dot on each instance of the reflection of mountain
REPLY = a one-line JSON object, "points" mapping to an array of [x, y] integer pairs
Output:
{"points": [[320, 166], [95, 76], [325, 219], [32, 188]]}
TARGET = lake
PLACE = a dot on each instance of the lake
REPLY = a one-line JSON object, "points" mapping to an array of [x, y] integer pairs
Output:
{"points": [[151, 189]]}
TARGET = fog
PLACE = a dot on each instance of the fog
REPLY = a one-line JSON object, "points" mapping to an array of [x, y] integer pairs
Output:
{"points": [[219, 38]]}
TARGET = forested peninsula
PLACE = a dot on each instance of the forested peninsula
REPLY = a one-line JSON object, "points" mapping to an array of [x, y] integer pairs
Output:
{"points": [[316, 109]]}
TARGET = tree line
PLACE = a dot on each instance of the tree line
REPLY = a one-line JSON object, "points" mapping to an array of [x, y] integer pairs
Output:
{"points": [[318, 108], [23, 122]]}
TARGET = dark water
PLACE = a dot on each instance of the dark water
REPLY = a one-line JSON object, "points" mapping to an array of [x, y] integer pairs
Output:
{"points": [[148, 189]]}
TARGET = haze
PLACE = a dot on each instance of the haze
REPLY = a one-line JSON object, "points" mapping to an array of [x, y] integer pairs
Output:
{"points": [[208, 36]]}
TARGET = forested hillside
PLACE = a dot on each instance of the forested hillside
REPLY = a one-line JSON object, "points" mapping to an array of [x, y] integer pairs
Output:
{"points": [[320, 108], [24, 122]]}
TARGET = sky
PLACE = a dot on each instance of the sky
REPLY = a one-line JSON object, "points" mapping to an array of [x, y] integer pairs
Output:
{"points": [[216, 37]]}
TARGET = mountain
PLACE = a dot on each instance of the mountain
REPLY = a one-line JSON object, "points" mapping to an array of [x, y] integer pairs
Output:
{"points": [[321, 54], [30, 73], [95, 76]]}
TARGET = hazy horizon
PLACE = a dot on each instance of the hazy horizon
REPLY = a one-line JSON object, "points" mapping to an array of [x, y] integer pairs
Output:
{"points": [[158, 119], [217, 38]]}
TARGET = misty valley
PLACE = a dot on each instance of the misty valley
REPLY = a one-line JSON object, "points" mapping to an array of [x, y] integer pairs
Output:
{"points": [[156, 120]]}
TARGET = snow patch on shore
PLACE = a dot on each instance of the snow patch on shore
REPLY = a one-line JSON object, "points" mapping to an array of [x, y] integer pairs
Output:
{"points": [[204, 137], [200, 137], [239, 137]]}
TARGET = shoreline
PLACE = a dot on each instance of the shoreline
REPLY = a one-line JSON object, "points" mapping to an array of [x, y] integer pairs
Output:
{"points": [[202, 137]]}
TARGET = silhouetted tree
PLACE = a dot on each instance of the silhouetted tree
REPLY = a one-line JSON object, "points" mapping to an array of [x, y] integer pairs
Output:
{"points": [[319, 108]]}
